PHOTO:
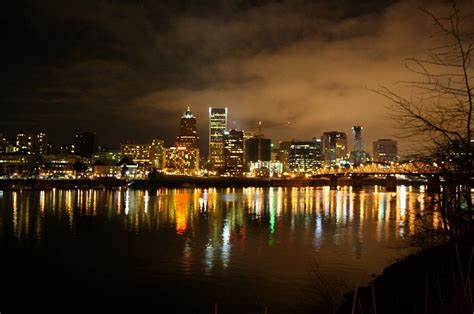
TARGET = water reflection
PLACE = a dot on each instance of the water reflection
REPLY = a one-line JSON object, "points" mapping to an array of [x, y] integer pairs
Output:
{"points": [[218, 229]]}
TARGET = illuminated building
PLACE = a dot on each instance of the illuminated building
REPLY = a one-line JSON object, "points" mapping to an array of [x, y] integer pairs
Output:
{"points": [[24, 143], [283, 153], [139, 153], [187, 131], [85, 144], [217, 126], [15, 164], [247, 135], [385, 150], [318, 152], [334, 147], [157, 153], [40, 144], [357, 135], [182, 160], [258, 149], [266, 168], [3, 144], [301, 156], [61, 149], [234, 152], [358, 155]]}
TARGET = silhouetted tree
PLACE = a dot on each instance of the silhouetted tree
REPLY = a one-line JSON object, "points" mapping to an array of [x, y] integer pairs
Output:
{"points": [[439, 111]]}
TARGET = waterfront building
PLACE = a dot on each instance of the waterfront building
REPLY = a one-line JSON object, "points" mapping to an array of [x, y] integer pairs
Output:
{"points": [[85, 144], [258, 149], [139, 153], [187, 131], [266, 168], [247, 135], [358, 155], [334, 145], [157, 153], [385, 150], [217, 127], [182, 160], [301, 156], [234, 152], [282, 155], [24, 143], [40, 144]]}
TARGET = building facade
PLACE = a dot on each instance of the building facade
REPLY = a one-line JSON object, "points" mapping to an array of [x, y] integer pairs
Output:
{"points": [[234, 152], [188, 131], [334, 148], [85, 144], [258, 149], [301, 156], [217, 127], [385, 150]]}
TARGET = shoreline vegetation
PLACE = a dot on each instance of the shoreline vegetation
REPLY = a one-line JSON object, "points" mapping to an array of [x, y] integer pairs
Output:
{"points": [[188, 182], [434, 280]]}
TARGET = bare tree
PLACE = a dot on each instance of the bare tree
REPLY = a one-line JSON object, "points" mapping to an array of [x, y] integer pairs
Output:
{"points": [[439, 111]]}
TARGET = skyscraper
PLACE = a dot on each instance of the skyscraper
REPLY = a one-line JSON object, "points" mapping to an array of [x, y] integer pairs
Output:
{"points": [[357, 134], [234, 152], [217, 126], [187, 132], [24, 143], [258, 149], [334, 147], [40, 144], [358, 155], [302, 156], [385, 150]]}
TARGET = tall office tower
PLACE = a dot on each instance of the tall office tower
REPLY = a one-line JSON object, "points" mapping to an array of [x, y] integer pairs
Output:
{"points": [[217, 126], [40, 144], [24, 143], [385, 150], [157, 153], [247, 135], [234, 152], [358, 155], [334, 147], [258, 149], [3, 144], [85, 144], [301, 156], [318, 152], [187, 131], [357, 134]]}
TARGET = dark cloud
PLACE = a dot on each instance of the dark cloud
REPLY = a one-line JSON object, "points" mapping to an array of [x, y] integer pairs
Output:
{"points": [[127, 69]]}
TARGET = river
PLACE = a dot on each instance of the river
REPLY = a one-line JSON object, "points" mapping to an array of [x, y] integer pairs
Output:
{"points": [[246, 250]]}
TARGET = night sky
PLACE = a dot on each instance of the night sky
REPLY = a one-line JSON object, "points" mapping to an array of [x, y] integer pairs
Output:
{"points": [[128, 69]]}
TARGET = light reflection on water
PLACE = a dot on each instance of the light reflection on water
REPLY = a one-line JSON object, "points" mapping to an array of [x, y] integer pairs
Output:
{"points": [[267, 233]]}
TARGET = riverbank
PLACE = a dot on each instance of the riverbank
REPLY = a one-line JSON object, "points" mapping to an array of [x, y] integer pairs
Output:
{"points": [[174, 181], [434, 280]]}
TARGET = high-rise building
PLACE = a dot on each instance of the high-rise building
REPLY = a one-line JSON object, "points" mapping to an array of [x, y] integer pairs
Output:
{"points": [[318, 152], [334, 147], [24, 143], [85, 144], [234, 152], [385, 150], [187, 131], [217, 126], [357, 134], [3, 144], [247, 135], [182, 160], [358, 155], [139, 153], [301, 156], [157, 153], [258, 149], [40, 144]]}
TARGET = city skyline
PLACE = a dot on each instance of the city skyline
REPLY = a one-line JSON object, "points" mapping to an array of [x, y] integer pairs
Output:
{"points": [[314, 70]]}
